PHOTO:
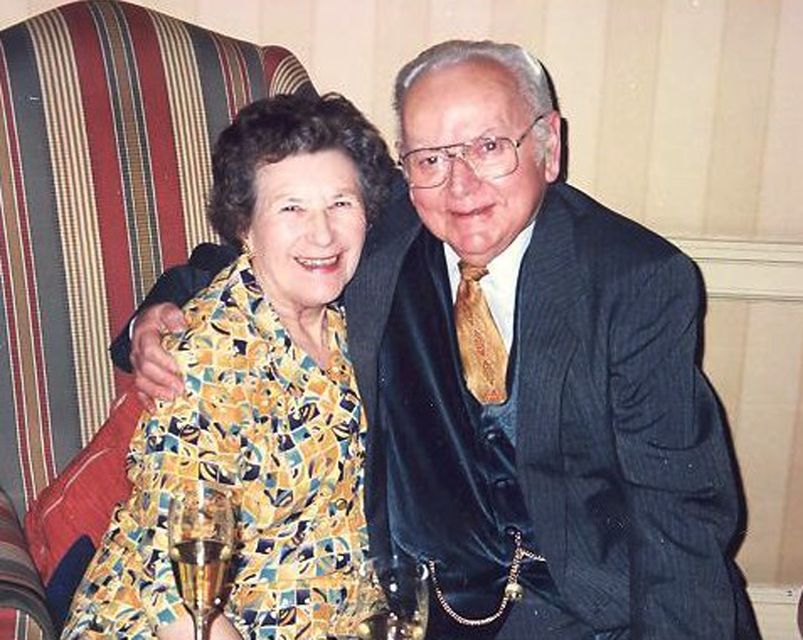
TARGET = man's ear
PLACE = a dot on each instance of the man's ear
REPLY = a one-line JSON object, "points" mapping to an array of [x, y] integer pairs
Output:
{"points": [[552, 147], [399, 152], [399, 147]]}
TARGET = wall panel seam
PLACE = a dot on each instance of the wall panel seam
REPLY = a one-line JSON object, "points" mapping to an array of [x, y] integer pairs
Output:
{"points": [[748, 270]]}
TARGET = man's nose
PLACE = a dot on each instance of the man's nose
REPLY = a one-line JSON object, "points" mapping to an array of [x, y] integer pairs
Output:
{"points": [[462, 178]]}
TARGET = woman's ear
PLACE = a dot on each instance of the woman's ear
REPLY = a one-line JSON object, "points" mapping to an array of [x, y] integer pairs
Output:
{"points": [[246, 243]]}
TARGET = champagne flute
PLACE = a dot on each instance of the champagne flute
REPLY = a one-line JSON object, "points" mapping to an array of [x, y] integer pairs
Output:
{"points": [[201, 538], [392, 599]]}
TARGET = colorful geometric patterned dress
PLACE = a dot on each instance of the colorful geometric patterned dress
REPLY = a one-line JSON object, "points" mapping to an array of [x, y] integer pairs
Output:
{"points": [[259, 418]]}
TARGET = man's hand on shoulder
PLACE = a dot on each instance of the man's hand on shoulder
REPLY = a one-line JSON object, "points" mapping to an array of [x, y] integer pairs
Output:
{"points": [[156, 374]]}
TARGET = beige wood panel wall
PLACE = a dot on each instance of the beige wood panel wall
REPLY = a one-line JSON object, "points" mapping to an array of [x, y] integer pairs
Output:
{"points": [[683, 114]]}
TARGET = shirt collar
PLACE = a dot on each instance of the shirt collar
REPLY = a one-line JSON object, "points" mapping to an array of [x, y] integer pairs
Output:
{"points": [[503, 270], [499, 286]]}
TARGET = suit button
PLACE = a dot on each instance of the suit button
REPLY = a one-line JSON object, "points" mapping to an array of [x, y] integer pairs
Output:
{"points": [[503, 484], [341, 504], [492, 437]]}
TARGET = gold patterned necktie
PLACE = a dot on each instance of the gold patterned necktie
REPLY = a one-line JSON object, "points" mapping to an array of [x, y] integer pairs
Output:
{"points": [[482, 349]]}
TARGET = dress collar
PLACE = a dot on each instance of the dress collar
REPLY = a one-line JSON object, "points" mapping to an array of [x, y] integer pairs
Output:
{"points": [[292, 364]]}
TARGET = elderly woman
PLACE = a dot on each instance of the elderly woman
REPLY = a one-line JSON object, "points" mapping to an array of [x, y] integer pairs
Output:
{"points": [[270, 410]]}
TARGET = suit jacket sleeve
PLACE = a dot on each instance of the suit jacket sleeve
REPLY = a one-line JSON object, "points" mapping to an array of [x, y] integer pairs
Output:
{"points": [[176, 285], [674, 456]]}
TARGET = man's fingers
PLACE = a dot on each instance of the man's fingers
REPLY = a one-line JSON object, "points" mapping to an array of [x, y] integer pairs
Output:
{"points": [[146, 401], [155, 376], [161, 388], [151, 352], [173, 319], [154, 316]]}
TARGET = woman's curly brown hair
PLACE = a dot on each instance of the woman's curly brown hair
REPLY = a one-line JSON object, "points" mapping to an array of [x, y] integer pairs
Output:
{"points": [[270, 130]]}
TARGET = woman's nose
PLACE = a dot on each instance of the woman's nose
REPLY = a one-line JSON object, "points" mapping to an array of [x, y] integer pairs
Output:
{"points": [[320, 227]]}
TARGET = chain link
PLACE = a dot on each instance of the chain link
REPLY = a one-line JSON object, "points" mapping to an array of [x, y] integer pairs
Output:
{"points": [[512, 587]]}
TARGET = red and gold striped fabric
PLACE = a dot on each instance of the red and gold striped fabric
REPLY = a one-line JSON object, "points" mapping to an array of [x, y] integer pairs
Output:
{"points": [[107, 114], [22, 609]]}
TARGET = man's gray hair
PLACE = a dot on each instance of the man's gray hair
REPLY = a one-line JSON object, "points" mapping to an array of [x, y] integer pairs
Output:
{"points": [[525, 68]]}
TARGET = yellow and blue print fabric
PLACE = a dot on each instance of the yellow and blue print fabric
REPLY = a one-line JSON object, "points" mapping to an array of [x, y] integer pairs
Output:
{"points": [[286, 437]]}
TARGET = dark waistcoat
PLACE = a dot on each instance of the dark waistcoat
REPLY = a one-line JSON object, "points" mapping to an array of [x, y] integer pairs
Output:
{"points": [[450, 463]]}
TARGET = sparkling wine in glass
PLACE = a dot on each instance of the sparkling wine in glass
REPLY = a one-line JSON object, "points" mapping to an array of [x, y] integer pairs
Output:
{"points": [[393, 599], [201, 539]]}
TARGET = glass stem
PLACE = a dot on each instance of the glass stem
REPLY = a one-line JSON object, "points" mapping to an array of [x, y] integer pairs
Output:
{"points": [[200, 627]]}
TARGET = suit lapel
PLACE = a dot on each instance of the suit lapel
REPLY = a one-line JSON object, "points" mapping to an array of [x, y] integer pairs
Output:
{"points": [[368, 300], [369, 295], [549, 284]]}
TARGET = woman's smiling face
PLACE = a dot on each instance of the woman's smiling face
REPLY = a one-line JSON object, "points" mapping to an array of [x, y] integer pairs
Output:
{"points": [[307, 230]]}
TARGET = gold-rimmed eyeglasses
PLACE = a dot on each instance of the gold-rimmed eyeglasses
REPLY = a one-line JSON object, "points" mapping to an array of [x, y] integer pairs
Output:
{"points": [[488, 156]]}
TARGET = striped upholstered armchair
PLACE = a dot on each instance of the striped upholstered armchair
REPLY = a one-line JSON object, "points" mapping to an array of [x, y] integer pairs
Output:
{"points": [[107, 113]]}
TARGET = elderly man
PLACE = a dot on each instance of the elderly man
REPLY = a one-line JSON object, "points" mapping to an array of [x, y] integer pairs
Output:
{"points": [[539, 432]]}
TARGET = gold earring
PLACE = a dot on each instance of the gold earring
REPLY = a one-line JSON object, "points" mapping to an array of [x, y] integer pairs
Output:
{"points": [[246, 249]]}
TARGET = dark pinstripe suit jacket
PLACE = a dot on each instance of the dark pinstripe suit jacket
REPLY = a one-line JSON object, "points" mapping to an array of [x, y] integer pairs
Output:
{"points": [[622, 456]]}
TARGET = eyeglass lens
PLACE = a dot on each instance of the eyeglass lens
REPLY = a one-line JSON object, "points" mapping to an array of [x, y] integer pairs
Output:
{"points": [[487, 157]]}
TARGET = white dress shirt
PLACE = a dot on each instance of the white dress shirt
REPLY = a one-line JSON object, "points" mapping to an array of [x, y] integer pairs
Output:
{"points": [[499, 286]]}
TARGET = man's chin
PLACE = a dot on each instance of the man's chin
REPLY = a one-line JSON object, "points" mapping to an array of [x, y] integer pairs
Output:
{"points": [[473, 249]]}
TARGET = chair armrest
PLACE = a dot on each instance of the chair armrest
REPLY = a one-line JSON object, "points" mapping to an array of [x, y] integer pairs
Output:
{"points": [[20, 587]]}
